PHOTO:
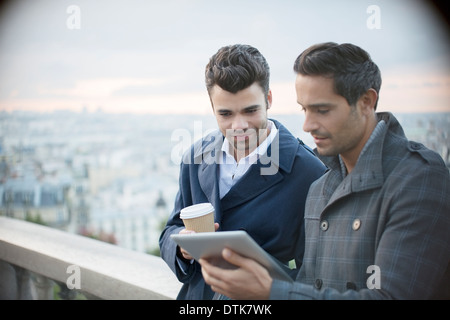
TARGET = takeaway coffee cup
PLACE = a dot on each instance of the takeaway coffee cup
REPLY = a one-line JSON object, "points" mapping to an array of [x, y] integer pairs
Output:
{"points": [[198, 217]]}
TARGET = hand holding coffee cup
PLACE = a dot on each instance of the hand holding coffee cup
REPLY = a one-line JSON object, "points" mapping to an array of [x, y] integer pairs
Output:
{"points": [[197, 218]]}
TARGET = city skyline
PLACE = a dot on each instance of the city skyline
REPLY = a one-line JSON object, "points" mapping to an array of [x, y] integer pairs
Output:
{"points": [[107, 173], [149, 57]]}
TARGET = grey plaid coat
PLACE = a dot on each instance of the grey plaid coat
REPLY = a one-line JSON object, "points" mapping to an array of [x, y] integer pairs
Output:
{"points": [[381, 232]]}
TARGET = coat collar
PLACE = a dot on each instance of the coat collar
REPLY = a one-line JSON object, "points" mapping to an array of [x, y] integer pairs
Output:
{"points": [[368, 171], [281, 152]]}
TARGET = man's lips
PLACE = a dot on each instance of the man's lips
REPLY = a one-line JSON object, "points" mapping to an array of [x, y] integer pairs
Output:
{"points": [[240, 137], [318, 139]]}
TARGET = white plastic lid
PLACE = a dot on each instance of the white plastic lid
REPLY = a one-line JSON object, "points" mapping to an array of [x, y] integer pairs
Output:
{"points": [[196, 210]]}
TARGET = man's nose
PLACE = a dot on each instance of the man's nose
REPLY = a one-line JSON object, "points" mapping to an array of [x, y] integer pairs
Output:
{"points": [[239, 123], [309, 124]]}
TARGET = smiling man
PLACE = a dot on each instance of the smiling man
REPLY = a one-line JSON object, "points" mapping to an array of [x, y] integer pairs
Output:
{"points": [[242, 118], [377, 223], [253, 171]]}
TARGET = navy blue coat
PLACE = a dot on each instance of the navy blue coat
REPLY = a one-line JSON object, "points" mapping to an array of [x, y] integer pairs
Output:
{"points": [[268, 202]]}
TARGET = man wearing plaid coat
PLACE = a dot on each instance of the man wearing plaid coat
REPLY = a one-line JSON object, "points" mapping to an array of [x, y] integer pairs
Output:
{"points": [[377, 225]]}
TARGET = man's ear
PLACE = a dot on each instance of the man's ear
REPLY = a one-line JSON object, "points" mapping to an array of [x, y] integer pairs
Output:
{"points": [[269, 99], [368, 100]]}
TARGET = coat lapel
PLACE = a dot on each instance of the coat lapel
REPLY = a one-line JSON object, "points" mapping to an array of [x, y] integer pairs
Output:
{"points": [[208, 179], [208, 158], [249, 186], [367, 174], [265, 172]]}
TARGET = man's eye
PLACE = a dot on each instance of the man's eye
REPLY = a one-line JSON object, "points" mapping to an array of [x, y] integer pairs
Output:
{"points": [[322, 111], [225, 114]]}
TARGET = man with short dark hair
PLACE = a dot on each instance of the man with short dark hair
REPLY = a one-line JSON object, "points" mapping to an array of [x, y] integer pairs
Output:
{"points": [[377, 224], [253, 170]]}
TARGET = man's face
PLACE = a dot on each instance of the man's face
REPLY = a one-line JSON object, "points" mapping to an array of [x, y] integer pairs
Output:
{"points": [[337, 127], [242, 116]]}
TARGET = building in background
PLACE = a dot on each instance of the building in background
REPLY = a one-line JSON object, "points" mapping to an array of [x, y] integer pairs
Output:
{"points": [[97, 175]]}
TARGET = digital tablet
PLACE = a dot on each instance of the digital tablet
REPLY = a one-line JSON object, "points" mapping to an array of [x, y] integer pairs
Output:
{"points": [[210, 245]]}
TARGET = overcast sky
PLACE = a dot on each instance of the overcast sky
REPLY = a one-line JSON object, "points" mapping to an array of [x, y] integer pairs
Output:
{"points": [[149, 56]]}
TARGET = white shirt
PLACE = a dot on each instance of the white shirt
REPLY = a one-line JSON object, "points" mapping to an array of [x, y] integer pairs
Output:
{"points": [[230, 171]]}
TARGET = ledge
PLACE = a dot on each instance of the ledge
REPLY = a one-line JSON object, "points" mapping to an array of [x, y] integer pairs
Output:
{"points": [[106, 271]]}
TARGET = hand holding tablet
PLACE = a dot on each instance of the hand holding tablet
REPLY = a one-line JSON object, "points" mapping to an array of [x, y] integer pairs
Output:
{"points": [[209, 245]]}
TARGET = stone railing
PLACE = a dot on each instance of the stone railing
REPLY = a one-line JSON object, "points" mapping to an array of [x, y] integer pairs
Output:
{"points": [[35, 258]]}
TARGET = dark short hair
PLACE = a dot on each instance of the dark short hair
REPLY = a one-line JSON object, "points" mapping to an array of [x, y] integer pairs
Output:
{"points": [[237, 67], [351, 67]]}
